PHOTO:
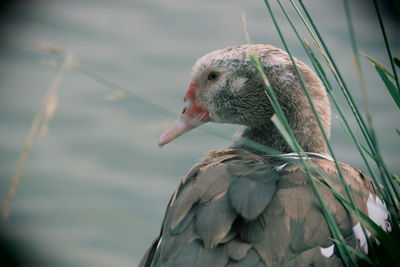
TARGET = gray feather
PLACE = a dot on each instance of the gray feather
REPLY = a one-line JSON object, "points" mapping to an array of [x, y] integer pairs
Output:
{"points": [[275, 239], [298, 243], [260, 264], [214, 220], [195, 255], [236, 249], [243, 167], [170, 245], [184, 223], [251, 260], [221, 180], [250, 194], [189, 193], [181, 206], [232, 234], [251, 232]]}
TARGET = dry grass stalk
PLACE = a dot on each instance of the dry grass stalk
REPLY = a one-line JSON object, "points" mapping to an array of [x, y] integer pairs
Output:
{"points": [[39, 127]]}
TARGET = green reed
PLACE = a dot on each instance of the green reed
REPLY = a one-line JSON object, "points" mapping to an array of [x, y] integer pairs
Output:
{"points": [[387, 184]]}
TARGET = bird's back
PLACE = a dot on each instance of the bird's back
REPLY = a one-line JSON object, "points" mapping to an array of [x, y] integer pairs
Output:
{"points": [[237, 208]]}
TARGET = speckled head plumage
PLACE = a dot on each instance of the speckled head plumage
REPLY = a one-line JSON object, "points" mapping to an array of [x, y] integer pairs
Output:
{"points": [[226, 88]]}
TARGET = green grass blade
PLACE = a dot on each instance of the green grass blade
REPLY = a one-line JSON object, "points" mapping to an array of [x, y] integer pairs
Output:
{"points": [[321, 73], [397, 62], [376, 63], [346, 255], [274, 101], [281, 128], [370, 136], [343, 122], [357, 62], [358, 253], [368, 133], [320, 44], [385, 38], [313, 109], [363, 150], [389, 85], [385, 74]]}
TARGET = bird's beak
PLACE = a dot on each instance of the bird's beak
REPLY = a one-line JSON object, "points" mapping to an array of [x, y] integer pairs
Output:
{"points": [[191, 117]]}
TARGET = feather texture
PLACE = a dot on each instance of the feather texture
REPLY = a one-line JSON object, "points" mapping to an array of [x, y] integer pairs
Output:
{"points": [[241, 212], [250, 193], [214, 220]]}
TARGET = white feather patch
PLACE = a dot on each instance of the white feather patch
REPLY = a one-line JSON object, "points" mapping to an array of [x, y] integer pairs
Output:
{"points": [[378, 212], [328, 251], [280, 167], [361, 238]]}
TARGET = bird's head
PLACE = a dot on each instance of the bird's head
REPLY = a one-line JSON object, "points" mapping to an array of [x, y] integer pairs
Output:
{"points": [[225, 87]]}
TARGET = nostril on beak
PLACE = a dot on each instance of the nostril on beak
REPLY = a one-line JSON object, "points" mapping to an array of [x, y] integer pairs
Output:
{"points": [[184, 110]]}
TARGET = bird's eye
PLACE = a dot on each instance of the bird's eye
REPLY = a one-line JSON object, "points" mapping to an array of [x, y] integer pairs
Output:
{"points": [[213, 75]]}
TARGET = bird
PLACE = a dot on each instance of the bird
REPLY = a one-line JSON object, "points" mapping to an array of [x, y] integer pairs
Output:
{"points": [[243, 206]]}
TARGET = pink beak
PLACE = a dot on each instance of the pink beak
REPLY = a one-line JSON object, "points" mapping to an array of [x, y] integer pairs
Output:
{"points": [[192, 116]]}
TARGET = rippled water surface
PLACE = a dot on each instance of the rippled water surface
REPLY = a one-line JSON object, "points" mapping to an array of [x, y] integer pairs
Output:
{"points": [[94, 190]]}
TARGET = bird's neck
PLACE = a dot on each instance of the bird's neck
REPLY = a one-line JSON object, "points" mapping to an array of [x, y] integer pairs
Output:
{"points": [[305, 130], [297, 109]]}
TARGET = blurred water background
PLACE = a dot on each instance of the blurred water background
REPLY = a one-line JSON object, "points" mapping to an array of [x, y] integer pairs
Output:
{"points": [[95, 189]]}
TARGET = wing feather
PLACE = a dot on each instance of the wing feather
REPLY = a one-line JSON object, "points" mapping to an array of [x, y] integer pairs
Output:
{"points": [[214, 220], [237, 250], [235, 209], [195, 255], [250, 194], [251, 259]]}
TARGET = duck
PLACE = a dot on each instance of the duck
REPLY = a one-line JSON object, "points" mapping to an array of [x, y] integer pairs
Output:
{"points": [[242, 206]]}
